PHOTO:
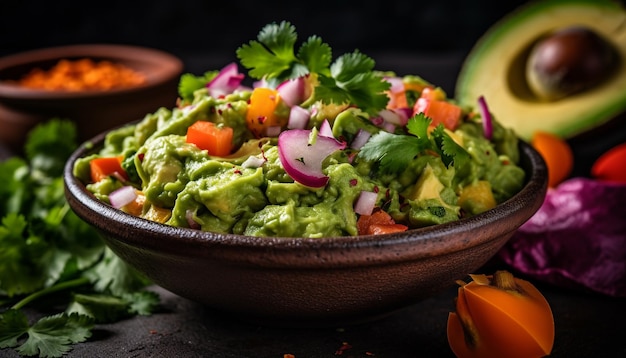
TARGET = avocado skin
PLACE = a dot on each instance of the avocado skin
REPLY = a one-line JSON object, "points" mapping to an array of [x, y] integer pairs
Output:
{"points": [[590, 136]]}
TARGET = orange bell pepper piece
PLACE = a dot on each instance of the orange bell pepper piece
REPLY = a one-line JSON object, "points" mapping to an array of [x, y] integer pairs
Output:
{"points": [[207, 136]]}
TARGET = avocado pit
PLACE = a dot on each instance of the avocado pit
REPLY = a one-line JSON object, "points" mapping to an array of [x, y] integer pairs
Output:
{"points": [[569, 61]]}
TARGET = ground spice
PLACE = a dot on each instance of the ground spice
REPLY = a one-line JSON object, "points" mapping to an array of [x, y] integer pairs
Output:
{"points": [[83, 74]]}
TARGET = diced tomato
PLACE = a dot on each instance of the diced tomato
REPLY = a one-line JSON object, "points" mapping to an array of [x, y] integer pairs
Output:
{"points": [[440, 111], [101, 168], [380, 222], [386, 229], [207, 136]]}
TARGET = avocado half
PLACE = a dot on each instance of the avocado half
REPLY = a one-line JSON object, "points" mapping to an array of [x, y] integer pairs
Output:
{"points": [[495, 68]]}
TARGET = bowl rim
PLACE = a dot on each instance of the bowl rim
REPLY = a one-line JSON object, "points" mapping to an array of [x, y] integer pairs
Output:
{"points": [[166, 65], [344, 251]]}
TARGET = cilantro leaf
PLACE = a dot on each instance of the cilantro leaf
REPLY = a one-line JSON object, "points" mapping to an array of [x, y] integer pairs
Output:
{"points": [[45, 248], [13, 324], [17, 248], [112, 274], [48, 146], [142, 302], [51, 336], [351, 79], [354, 81], [393, 151], [273, 54], [189, 83], [450, 151], [317, 55]]}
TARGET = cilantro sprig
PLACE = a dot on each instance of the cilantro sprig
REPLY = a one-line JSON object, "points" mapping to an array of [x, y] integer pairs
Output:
{"points": [[45, 249], [394, 152], [350, 79]]}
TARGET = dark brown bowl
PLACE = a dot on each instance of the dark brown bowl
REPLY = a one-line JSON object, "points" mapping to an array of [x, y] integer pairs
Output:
{"points": [[296, 281], [93, 111]]}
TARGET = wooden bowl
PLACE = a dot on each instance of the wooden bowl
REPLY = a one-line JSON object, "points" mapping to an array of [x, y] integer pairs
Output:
{"points": [[297, 281], [93, 111]]}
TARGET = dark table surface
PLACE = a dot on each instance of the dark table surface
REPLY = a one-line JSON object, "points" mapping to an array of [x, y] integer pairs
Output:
{"points": [[587, 325]]}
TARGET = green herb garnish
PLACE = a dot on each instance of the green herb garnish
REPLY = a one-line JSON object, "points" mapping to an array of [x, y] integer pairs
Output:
{"points": [[46, 249], [395, 151], [351, 79]]}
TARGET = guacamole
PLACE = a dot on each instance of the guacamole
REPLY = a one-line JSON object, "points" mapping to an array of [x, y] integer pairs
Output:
{"points": [[312, 152]]}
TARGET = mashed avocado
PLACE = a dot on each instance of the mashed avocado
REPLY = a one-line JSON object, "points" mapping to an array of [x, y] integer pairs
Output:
{"points": [[223, 194], [315, 149]]}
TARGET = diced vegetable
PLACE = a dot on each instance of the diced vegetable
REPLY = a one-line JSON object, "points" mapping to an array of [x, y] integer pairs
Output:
{"points": [[440, 111], [365, 203], [500, 316], [226, 81], [557, 155], [217, 140], [293, 91], [101, 168], [261, 113], [611, 166], [377, 223], [122, 196]]}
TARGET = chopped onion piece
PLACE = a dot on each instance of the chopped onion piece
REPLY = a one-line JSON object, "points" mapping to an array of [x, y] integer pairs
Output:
{"points": [[391, 117], [361, 137], [253, 162], [365, 203], [302, 157], [292, 91], [396, 84], [326, 130], [122, 196], [486, 117], [298, 118], [191, 221], [273, 131]]}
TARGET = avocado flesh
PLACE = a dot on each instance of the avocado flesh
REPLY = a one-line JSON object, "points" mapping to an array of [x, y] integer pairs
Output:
{"points": [[496, 66]]}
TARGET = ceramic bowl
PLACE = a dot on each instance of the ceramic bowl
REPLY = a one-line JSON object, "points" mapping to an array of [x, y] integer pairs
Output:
{"points": [[296, 281], [93, 111]]}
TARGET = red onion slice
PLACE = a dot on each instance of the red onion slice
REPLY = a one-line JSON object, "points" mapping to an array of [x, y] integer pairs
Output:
{"points": [[122, 196], [302, 158], [486, 117], [365, 203], [226, 81]]}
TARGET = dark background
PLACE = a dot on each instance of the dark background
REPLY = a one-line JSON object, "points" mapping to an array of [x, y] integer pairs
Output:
{"points": [[211, 31]]}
